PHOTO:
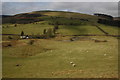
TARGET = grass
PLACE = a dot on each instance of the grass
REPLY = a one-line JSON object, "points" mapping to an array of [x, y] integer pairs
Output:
{"points": [[27, 28], [50, 58], [69, 14], [65, 30], [55, 61], [78, 30], [113, 30], [38, 28], [81, 27]]}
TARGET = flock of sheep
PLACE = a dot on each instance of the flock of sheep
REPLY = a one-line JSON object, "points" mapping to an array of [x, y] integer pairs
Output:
{"points": [[72, 64]]}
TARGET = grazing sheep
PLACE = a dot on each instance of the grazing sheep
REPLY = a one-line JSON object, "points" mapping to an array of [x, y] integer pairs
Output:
{"points": [[71, 62], [104, 54], [27, 37], [73, 65]]}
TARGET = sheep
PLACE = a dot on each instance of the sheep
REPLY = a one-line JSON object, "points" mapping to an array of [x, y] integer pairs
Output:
{"points": [[71, 62], [73, 65], [104, 54], [27, 37]]}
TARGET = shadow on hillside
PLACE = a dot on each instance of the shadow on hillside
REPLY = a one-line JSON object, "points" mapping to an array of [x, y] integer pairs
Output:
{"points": [[76, 29]]}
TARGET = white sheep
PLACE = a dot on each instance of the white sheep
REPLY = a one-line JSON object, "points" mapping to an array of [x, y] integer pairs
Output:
{"points": [[105, 54], [27, 37], [73, 65], [71, 62]]}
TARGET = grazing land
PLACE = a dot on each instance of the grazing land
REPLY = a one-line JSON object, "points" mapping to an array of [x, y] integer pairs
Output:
{"points": [[94, 56]]}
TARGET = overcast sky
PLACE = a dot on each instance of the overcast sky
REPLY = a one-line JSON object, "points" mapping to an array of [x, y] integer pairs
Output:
{"points": [[60, 0], [11, 8]]}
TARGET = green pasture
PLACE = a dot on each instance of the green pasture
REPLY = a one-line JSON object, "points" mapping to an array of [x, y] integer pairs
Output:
{"points": [[94, 56], [50, 58]]}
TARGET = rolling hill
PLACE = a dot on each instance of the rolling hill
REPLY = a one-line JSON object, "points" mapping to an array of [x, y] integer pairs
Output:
{"points": [[94, 56], [70, 23]]}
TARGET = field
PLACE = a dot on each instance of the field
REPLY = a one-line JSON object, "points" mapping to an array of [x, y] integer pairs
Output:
{"points": [[51, 59], [94, 56], [35, 29]]}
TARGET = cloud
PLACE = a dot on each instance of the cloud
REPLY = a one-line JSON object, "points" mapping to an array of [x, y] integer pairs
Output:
{"points": [[82, 7], [88, 7], [22, 7]]}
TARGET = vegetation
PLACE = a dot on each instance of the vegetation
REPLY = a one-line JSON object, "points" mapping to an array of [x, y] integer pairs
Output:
{"points": [[44, 32], [51, 59], [31, 42], [49, 33], [9, 37], [22, 33], [109, 22], [56, 39], [104, 16]]}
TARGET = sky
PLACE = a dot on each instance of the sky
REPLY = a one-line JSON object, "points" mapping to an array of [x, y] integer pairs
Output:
{"points": [[12, 8], [60, 0]]}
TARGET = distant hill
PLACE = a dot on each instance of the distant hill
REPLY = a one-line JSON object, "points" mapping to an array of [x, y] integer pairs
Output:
{"points": [[5, 16], [61, 17], [116, 18], [105, 16], [37, 16]]}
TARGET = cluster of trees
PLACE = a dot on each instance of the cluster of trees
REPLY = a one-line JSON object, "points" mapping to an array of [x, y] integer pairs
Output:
{"points": [[27, 21], [22, 18], [107, 19], [29, 15], [104, 16], [47, 33], [78, 19], [109, 22], [71, 23], [4, 16], [65, 20], [14, 20], [51, 32], [70, 18], [56, 17]]}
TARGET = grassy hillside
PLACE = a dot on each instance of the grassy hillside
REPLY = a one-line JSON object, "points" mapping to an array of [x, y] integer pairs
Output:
{"points": [[51, 59], [63, 29], [70, 23], [94, 56]]}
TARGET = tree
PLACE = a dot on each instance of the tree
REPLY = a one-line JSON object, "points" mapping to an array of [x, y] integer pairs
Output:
{"points": [[22, 33], [15, 25], [49, 33], [56, 26], [31, 42], [54, 30], [44, 32]]}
